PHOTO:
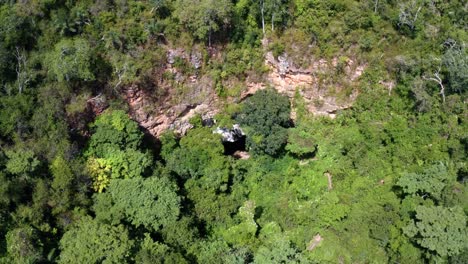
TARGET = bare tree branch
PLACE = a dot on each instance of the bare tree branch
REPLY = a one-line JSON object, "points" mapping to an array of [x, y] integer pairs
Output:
{"points": [[120, 72], [436, 78], [22, 75]]}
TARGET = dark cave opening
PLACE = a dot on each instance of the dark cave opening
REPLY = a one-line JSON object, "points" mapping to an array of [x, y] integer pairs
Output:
{"points": [[231, 147]]}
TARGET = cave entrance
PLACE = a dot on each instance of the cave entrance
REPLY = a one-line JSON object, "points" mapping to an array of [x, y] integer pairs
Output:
{"points": [[231, 147]]}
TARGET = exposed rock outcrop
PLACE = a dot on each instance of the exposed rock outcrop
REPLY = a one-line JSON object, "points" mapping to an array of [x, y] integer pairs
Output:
{"points": [[288, 79], [157, 115], [176, 102], [230, 135], [314, 242]]}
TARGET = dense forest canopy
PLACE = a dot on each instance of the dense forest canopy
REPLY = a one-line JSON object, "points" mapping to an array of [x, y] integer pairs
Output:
{"points": [[382, 181]]}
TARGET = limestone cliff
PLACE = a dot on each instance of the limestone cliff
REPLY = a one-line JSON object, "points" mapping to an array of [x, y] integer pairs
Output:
{"points": [[321, 86]]}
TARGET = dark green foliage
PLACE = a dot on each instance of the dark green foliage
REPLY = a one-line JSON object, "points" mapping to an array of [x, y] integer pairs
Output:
{"points": [[15, 114], [456, 61], [385, 181], [4, 186], [266, 117], [16, 29]]}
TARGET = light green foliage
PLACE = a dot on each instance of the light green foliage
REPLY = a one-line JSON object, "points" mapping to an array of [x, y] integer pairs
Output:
{"points": [[277, 250], [439, 229], [204, 17], [152, 252], [114, 129], [116, 165], [218, 251], [266, 115], [100, 171], [431, 182], [301, 141], [199, 153], [90, 241], [239, 62], [23, 246], [113, 150], [61, 186], [330, 210], [150, 202], [71, 60], [21, 162], [245, 231]]}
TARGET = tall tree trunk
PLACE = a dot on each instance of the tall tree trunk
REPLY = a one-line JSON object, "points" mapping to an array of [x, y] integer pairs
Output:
{"points": [[209, 39], [273, 22], [262, 9]]}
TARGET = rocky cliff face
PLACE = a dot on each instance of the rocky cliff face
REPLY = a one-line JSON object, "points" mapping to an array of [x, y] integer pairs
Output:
{"points": [[157, 116], [316, 90], [318, 85]]}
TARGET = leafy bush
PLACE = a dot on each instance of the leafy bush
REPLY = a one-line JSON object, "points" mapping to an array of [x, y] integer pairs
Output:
{"points": [[266, 116]]}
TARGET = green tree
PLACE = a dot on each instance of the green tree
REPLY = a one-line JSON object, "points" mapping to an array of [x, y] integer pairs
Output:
{"points": [[301, 141], [266, 115], [431, 182], [204, 17], [440, 230], [276, 10], [23, 245], [245, 231], [61, 186], [15, 29], [198, 152], [71, 60], [455, 60], [218, 251], [154, 252], [113, 130], [90, 241], [277, 251], [4, 190], [15, 113], [113, 150], [21, 162], [200, 161], [151, 202]]}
